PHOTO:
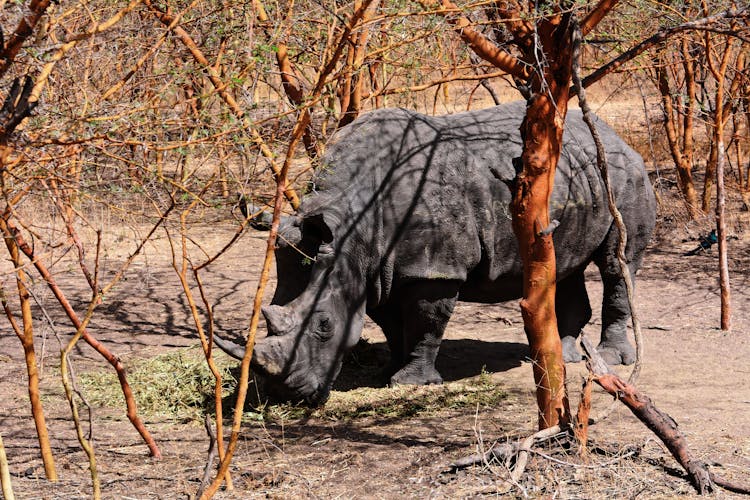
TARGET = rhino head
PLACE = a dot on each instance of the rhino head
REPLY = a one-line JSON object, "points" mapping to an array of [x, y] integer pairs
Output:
{"points": [[316, 315]]}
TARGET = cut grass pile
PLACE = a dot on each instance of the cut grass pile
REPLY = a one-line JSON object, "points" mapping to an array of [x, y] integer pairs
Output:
{"points": [[397, 402], [177, 385]]}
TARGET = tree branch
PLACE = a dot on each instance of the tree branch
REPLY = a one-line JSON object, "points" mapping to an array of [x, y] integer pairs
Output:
{"points": [[479, 43], [24, 30], [660, 36], [593, 18]]}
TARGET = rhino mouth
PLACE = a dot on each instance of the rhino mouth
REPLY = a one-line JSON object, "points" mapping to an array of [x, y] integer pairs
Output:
{"points": [[278, 392], [303, 389], [318, 398]]}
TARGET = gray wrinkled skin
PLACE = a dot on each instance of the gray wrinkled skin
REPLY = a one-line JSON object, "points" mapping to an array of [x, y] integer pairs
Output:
{"points": [[410, 213]]}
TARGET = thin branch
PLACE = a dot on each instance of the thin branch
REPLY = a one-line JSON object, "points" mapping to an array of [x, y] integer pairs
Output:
{"points": [[86, 444], [658, 37], [149, 53], [434, 83], [601, 162], [221, 87], [97, 28], [7, 486], [24, 30], [211, 454], [477, 41], [13, 234]]}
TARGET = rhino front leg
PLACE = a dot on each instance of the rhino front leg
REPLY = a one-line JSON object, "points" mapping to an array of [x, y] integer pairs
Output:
{"points": [[389, 320], [426, 308]]}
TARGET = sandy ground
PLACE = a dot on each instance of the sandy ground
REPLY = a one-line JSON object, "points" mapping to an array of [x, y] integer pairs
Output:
{"points": [[691, 369]]}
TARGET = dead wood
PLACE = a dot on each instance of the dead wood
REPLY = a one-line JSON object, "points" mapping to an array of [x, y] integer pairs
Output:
{"points": [[657, 421], [212, 452], [514, 455], [581, 422]]}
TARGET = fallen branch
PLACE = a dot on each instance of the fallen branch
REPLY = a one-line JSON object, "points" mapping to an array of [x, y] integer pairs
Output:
{"points": [[657, 421], [508, 453]]}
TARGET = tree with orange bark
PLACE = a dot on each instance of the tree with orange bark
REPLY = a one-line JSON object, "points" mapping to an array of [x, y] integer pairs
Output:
{"points": [[540, 58], [535, 46]]}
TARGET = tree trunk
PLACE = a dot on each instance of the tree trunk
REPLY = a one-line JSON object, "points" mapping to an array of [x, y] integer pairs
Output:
{"points": [[708, 180], [681, 156], [726, 307], [718, 159], [541, 132]]}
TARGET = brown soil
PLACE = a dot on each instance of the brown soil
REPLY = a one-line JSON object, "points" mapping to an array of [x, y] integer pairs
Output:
{"points": [[691, 369]]}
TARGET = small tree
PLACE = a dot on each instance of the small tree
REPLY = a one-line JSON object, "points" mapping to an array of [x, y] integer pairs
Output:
{"points": [[540, 58]]}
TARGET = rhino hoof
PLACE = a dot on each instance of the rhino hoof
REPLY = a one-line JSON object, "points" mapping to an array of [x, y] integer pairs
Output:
{"points": [[571, 354], [407, 376], [617, 354]]}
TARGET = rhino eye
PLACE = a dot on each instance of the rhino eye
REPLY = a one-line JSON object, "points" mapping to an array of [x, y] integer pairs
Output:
{"points": [[323, 327]]}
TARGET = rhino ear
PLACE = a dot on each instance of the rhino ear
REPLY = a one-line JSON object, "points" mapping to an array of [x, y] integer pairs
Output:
{"points": [[321, 225], [289, 233]]}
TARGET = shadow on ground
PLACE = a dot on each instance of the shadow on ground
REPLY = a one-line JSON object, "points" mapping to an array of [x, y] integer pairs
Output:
{"points": [[458, 359]]}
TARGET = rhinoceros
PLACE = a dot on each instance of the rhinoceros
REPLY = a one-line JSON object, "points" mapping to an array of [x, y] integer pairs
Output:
{"points": [[409, 213]]}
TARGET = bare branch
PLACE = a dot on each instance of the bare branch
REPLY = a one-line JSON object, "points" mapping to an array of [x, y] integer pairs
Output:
{"points": [[479, 43], [660, 36]]}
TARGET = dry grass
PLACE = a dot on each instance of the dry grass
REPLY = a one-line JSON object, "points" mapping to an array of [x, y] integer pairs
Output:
{"points": [[174, 386], [178, 386]]}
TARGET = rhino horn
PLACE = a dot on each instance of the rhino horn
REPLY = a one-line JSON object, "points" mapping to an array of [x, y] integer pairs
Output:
{"points": [[259, 218], [279, 319], [271, 356], [289, 232], [237, 351]]}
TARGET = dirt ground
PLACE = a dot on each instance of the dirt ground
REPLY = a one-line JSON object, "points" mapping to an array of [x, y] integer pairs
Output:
{"points": [[692, 370]]}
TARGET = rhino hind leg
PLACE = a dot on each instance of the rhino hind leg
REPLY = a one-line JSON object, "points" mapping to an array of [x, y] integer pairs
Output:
{"points": [[573, 311], [614, 346], [426, 308]]}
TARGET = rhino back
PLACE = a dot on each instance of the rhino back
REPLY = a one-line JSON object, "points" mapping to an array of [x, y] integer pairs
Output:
{"points": [[424, 197], [418, 192]]}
